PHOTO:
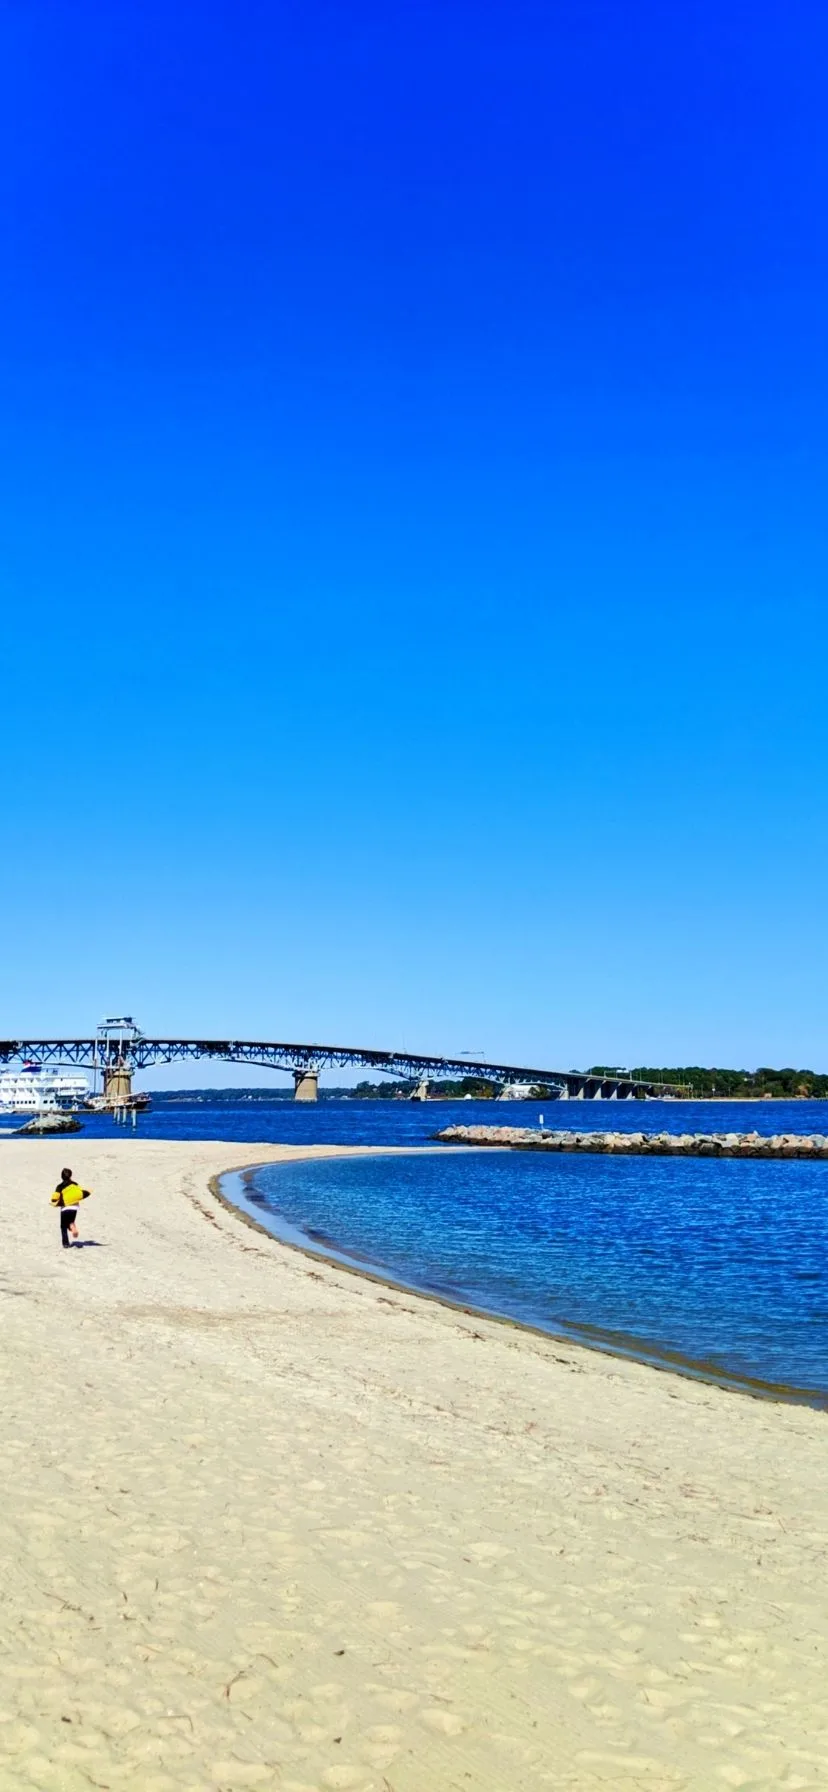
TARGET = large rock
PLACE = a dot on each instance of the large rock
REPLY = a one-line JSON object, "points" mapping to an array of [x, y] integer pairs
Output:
{"points": [[50, 1123]]}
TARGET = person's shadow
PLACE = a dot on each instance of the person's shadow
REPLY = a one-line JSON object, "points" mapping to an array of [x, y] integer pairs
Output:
{"points": [[88, 1244]]}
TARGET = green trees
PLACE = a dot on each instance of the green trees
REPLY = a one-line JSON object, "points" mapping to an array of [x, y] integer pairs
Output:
{"points": [[741, 1085], [476, 1086]]}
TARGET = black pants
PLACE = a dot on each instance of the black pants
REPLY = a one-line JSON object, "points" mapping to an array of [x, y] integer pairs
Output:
{"points": [[68, 1216]]}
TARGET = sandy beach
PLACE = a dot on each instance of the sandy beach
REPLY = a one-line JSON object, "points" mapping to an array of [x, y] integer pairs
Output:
{"points": [[270, 1524]]}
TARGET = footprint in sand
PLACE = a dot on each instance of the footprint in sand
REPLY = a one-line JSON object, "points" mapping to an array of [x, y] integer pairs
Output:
{"points": [[445, 1723]]}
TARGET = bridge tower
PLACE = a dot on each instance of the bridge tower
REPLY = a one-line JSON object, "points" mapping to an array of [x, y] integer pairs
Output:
{"points": [[117, 1084], [114, 1041]]}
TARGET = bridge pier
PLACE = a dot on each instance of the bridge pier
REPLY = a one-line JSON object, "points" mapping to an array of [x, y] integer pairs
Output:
{"points": [[306, 1085], [594, 1088], [117, 1084], [421, 1091]]}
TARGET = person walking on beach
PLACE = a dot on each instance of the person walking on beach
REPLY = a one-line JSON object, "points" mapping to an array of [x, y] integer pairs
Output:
{"points": [[67, 1197]]}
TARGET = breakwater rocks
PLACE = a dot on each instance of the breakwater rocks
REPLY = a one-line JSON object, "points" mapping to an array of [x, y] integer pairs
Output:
{"points": [[48, 1123], [643, 1144]]}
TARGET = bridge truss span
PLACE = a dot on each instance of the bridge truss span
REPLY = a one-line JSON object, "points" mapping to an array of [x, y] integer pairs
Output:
{"points": [[117, 1055]]}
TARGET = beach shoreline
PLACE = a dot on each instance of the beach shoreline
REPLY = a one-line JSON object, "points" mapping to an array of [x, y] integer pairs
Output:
{"points": [[272, 1523], [614, 1344]]}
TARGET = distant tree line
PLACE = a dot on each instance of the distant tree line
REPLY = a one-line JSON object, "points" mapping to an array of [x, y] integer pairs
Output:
{"points": [[446, 1089], [689, 1079], [476, 1086], [739, 1085]]}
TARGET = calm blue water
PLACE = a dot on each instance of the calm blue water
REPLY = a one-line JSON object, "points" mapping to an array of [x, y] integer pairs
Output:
{"points": [[721, 1264], [413, 1123]]}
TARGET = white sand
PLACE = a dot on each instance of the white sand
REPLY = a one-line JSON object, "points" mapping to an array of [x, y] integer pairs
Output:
{"points": [[268, 1524]]}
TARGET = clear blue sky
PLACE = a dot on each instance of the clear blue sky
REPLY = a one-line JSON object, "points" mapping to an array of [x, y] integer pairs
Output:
{"points": [[414, 524]]}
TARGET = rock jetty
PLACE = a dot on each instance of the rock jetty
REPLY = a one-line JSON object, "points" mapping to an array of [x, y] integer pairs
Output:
{"points": [[49, 1123], [643, 1144]]}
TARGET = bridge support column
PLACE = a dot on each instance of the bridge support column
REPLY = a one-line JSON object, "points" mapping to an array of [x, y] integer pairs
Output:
{"points": [[117, 1084], [305, 1085], [421, 1091]]}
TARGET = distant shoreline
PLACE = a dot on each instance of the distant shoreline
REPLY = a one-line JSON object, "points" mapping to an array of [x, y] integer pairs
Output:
{"points": [[260, 1097]]}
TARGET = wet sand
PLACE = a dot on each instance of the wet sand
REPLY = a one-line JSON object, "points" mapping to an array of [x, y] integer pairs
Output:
{"points": [[267, 1523]]}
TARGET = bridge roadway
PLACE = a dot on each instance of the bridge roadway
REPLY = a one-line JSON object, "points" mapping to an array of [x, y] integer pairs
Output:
{"points": [[119, 1058]]}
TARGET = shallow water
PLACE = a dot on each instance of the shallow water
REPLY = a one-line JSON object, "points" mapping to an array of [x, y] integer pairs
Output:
{"points": [[718, 1264]]}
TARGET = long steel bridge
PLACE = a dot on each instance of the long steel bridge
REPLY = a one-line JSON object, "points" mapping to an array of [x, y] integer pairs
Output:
{"points": [[118, 1049]]}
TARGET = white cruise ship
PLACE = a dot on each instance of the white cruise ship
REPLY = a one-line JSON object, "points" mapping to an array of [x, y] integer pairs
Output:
{"points": [[32, 1090]]}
